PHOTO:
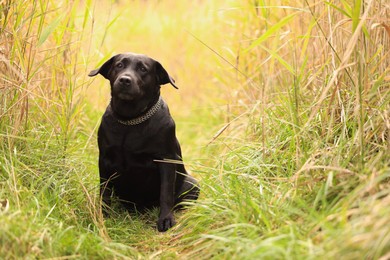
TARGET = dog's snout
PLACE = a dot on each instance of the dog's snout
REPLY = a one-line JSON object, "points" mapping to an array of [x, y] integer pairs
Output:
{"points": [[125, 80]]}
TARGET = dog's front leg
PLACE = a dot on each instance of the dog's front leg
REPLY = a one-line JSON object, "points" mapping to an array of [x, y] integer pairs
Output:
{"points": [[167, 190]]}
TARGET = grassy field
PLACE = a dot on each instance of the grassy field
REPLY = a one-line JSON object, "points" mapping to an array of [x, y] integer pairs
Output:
{"points": [[283, 113]]}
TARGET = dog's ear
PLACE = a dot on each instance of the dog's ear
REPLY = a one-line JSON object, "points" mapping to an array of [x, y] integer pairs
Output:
{"points": [[104, 69], [163, 76]]}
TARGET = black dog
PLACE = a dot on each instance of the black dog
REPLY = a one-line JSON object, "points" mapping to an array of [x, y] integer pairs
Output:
{"points": [[140, 157]]}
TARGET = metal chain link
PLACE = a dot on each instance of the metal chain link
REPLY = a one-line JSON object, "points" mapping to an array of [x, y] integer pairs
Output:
{"points": [[144, 117]]}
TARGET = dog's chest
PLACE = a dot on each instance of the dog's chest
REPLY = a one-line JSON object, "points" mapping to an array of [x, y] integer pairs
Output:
{"points": [[129, 141]]}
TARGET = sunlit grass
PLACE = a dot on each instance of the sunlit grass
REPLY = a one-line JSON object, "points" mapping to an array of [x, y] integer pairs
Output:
{"points": [[282, 112]]}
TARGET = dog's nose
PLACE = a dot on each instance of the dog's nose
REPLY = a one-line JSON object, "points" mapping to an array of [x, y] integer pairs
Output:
{"points": [[125, 80]]}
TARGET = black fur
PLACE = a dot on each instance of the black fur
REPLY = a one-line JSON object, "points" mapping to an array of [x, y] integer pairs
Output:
{"points": [[141, 164]]}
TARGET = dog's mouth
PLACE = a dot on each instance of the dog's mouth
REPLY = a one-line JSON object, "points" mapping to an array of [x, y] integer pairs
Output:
{"points": [[126, 96], [127, 88]]}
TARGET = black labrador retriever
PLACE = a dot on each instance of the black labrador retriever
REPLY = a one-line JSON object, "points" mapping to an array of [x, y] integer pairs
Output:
{"points": [[140, 156]]}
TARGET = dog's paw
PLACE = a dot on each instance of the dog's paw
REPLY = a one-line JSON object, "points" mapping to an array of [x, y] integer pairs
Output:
{"points": [[165, 222]]}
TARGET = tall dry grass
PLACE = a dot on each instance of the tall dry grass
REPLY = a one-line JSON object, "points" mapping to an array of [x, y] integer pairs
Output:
{"points": [[283, 114], [41, 66], [46, 156], [305, 169]]}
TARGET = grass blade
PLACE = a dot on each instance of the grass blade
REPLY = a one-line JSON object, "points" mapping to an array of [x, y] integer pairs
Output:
{"points": [[271, 31], [49, 30]]}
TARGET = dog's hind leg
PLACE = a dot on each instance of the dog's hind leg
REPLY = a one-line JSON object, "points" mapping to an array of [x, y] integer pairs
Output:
{"points": [[189, 191]]}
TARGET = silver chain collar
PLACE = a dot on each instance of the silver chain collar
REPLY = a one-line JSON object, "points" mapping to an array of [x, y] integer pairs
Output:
{"points": [[144, 117]]}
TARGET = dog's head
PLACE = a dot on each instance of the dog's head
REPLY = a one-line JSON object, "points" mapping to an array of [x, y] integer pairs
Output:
{"points": [[133, 76]]}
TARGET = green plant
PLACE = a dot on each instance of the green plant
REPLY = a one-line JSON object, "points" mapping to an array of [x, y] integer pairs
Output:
{"points": [[282, 113]]}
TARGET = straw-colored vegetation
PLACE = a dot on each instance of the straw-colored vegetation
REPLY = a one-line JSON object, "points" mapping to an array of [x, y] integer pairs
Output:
{"points": [[282, 112]]}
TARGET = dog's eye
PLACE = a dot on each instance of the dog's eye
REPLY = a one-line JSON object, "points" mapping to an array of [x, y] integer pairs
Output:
{"points": [[143, 69], [119, 65]]}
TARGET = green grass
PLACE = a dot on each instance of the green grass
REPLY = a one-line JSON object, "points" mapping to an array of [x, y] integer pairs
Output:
{"points": [[282, 113]]}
